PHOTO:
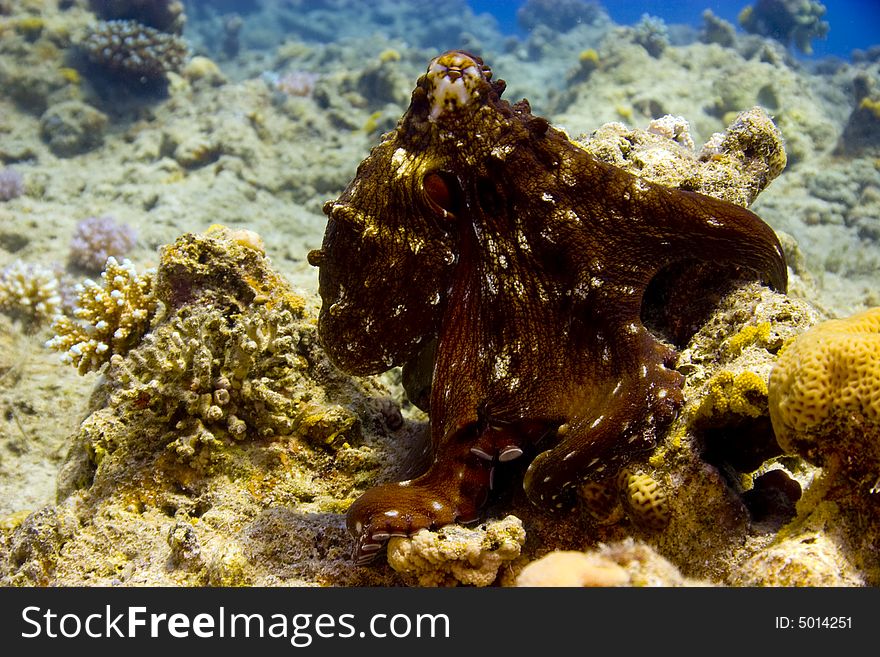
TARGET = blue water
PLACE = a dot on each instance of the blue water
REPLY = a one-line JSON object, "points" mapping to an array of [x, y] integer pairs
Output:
{"points": [[854, 23]]}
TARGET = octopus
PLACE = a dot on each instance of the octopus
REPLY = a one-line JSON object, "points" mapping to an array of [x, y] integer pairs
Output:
{"points": [[506, 270]]}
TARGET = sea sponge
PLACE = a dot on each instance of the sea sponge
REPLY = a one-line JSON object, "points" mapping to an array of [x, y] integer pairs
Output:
{"points": [[824, 395], [110, 317], [457, 555]]}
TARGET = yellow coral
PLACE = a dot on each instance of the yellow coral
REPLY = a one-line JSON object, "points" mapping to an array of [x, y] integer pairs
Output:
{"points": [[458, 555], [389, 55], [744, 393], [749, 335], [70, 74], [645, 499], [109, 319], [832, 370], [872, 105]]}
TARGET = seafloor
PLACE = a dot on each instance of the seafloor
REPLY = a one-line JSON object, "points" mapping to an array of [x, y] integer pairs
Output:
{"points": [[266, 118]]}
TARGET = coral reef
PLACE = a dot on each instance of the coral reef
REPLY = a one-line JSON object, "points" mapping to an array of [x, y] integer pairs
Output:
{"points": [[11, 184], [134, 51], [224, 412], [109, 318], [143, 502], [790, 22], [72, 127], [97, 238], [30, 292], [457, 555]]}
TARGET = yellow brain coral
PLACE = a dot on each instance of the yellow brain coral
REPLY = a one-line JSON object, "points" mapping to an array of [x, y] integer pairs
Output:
{"points": [[826, 383]]}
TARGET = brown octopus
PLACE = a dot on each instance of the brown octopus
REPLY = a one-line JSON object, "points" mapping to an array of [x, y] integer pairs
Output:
{"points": [[481, 245]]}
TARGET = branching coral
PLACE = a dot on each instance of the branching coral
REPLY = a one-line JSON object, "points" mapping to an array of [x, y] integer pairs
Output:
{"points": [[29, 291], [110, 317], [213, 376]]}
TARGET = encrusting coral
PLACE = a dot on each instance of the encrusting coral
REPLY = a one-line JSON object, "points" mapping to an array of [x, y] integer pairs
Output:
{"points": [[457, 555]]}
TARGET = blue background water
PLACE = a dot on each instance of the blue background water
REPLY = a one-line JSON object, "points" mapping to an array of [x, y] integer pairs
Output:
{"points": [[854, 23]]}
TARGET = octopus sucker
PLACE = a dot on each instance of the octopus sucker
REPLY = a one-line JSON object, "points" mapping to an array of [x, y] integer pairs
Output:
{"points": [[506, 269]]}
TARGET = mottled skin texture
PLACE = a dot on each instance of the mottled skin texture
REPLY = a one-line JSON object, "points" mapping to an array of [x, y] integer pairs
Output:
{"points": [[478, 237]]}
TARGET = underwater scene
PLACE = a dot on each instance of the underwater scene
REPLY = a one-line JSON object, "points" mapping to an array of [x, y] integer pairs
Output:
{"points": [[348, 293]]}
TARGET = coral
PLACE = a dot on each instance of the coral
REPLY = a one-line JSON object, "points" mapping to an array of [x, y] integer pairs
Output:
{"points": [[292, 83], [134, 51], [756, 147], [11, 184], [645, 498], [30, 291], [163, 15], [790, 22], [202, 68], [717, 30], [735, 165], [225, 380], [569, 568], [109, 319], [211, 372], [861, 134], [624, 563], [742, 393], [810, 558], [97, 238], [457, 555], [824, 396], [72, 128], [674, 128], [651, 34]]}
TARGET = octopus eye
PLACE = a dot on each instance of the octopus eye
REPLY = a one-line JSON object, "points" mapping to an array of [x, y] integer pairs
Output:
{"points": [[442, 191]]}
